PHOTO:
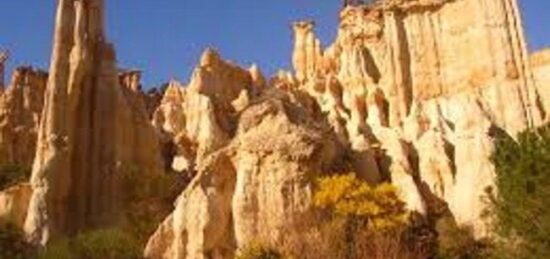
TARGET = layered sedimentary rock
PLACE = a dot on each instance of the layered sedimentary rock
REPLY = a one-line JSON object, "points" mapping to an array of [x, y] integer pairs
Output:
{"points": [[93, 132], [425, 85], [20, 110]]}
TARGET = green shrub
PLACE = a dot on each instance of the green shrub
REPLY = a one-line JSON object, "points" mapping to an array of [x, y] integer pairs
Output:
{"points": [[522, 204], [11, 175], [57, 249], [455, 242], [12, 243], [104, 244], [258, 251]]}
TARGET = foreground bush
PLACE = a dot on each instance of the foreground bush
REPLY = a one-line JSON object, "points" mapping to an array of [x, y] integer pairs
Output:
{"points": [[104, 244], [522, 203], [258, 251], [11, 175], [12, 243], [362, 221]]}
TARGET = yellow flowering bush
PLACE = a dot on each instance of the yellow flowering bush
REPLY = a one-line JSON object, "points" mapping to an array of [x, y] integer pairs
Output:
{"points": [[348, 196]]}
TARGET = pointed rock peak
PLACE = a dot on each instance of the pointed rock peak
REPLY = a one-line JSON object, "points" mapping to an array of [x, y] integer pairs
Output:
{"points": [[210, 57], [305, 26]]}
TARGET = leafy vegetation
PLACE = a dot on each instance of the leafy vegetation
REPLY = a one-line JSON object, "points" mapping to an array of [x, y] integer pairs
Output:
{"points": [[379, 207], [12, 243], [522, 204], [105, 243], [11, 175], [258, 251], [364, 221]]}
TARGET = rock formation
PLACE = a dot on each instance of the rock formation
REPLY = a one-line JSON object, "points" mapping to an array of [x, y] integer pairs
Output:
{"points": [[256, 186], [408, 90], [93, 132], [20, 110], [404, 73], [3, 58], [540, 63], [14, 203]]}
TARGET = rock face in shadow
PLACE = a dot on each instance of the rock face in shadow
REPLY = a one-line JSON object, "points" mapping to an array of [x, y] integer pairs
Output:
{"points": [[92, 134], [20, 110]]}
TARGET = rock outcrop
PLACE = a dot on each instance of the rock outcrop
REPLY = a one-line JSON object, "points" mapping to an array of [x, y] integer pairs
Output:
{"points": [[540, 62], [94, 132], [14, 203], [426, 85], [20, 110], [200, 118], [255, 187], [410, 92]]}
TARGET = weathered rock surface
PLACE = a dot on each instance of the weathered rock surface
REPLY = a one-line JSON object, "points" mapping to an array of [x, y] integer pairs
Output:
{"points": [[426, 85], [540, 62], [14, 203], [409, 92], [93, 132], [256, 187], [200, 118], [20, 110]]}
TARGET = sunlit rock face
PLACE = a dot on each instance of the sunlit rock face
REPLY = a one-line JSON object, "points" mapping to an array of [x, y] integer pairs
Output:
{"points": [[14, 202], [410, 92], [426, 86], [257, 185], [20, 110], [92, 130], [540, 62]]}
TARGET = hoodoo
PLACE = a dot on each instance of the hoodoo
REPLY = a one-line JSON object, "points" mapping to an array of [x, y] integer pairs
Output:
{"points": [[92, 131]]}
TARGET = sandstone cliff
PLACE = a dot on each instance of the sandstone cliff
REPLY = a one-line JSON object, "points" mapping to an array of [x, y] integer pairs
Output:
{"points": [[437, 81], [93, 132]]}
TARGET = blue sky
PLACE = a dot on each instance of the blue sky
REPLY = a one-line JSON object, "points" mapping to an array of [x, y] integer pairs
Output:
{"points": [[165, 38]]}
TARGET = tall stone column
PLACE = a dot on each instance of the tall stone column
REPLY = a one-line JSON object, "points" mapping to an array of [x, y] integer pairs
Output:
{"points": [[93, 134]]}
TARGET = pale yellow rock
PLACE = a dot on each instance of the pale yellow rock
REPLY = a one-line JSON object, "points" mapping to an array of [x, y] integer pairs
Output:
{"points": [[416, 70], [92, 133], [20, 111], [14, 202], [256, 187], [540, 61]]}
